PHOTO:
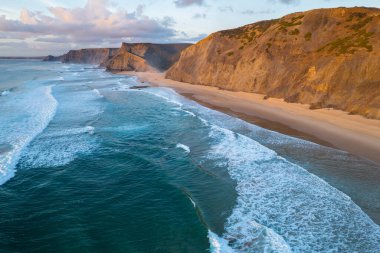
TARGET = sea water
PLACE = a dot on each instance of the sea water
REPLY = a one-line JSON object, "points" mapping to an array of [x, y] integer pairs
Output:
{"points": [[89, 165]]}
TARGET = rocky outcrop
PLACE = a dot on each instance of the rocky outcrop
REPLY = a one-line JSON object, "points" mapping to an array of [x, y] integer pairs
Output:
{"points": [[89, 55], [324, 57], [129, 57], [144, 57], [85, 56], [52, 58]]}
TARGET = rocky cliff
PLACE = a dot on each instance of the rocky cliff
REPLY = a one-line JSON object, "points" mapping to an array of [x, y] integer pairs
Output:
{"points": [[52, 58], [324, 57], [144, 57], [89, 55]]}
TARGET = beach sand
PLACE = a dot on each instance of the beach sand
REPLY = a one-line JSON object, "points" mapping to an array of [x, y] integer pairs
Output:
{"points": [[352, 133]]}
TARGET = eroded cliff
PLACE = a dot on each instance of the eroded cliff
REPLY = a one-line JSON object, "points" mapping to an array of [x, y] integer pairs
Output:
{"points": [[52, 58], [144, 57], [89, 55], [324, 57]]}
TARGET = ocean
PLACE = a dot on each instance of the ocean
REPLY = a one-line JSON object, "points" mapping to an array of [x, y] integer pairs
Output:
{"points": [[89, 162]]}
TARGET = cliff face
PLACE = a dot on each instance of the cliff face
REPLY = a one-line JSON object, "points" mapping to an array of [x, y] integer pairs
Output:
{"points": [[144, 57], [52, 58], [325, 57], [88, 56]]}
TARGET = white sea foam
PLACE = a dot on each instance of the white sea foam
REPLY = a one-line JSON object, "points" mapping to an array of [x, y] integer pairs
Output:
{"points": [[183, 147], [98, 93], [90, 129], [58, 151], [72, 131], [188, 112], [172, 97], [167, 94], [5, 93], [121, 87], [282, 208], [219, 244], [39, 107], [63, 143], [192, 202], [125, 84], [125, 128]]}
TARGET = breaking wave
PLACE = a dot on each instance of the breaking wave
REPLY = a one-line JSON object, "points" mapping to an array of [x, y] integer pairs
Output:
{"points": [[281, 207], [183, 147], [39, 106]]}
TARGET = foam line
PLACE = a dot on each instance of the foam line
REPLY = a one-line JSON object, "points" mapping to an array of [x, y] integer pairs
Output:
{"points": [[43, 112], [183, 147], [219, 244], [281, 207]]}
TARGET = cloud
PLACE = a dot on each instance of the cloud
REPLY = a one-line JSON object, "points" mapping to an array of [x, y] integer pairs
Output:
{"points": [[23, 48], [199, 37], [5, 11], [287, 1], [199, 15], [226, 8], [254, 12], [92, 23], [186, 3], [194, 39]]}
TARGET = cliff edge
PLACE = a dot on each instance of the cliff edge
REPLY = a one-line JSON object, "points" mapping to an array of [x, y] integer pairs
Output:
{"points": [[144, 57], [89, 55], [324, 57]]}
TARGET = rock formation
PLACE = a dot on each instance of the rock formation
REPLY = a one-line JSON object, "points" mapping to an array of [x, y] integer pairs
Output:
{"points": [[89, 55], [144, 57], [129, 57], [324, 57], [52, 58]]}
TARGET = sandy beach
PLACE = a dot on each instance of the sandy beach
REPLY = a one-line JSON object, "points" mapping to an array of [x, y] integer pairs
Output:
{"points": [[352, 133]]}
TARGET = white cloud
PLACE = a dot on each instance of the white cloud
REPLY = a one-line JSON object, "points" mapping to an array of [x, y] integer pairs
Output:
{"points": [[186, 3], [255, 12], [288, 1], [94, 22], [227, 8], [199, 15]]}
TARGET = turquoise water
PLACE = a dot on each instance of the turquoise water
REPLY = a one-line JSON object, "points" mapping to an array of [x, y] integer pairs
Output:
{"points": [[89, 165]]}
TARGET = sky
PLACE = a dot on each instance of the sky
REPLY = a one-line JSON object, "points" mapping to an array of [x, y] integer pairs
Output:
{"points": [[43, 27]]}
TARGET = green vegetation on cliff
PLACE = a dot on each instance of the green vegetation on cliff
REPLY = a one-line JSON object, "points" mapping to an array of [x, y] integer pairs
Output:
{"points": [[325, 57]]}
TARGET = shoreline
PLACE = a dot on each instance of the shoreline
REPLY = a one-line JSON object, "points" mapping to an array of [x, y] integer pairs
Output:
{"points": [[334, 128]]}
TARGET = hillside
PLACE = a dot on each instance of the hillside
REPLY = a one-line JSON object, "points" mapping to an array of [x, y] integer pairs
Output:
{"points": [[324, 57], [144, 57]]}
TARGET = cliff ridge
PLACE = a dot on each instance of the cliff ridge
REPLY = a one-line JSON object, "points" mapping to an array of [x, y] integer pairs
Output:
{"points": [[144, 57], [323, 57]]}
